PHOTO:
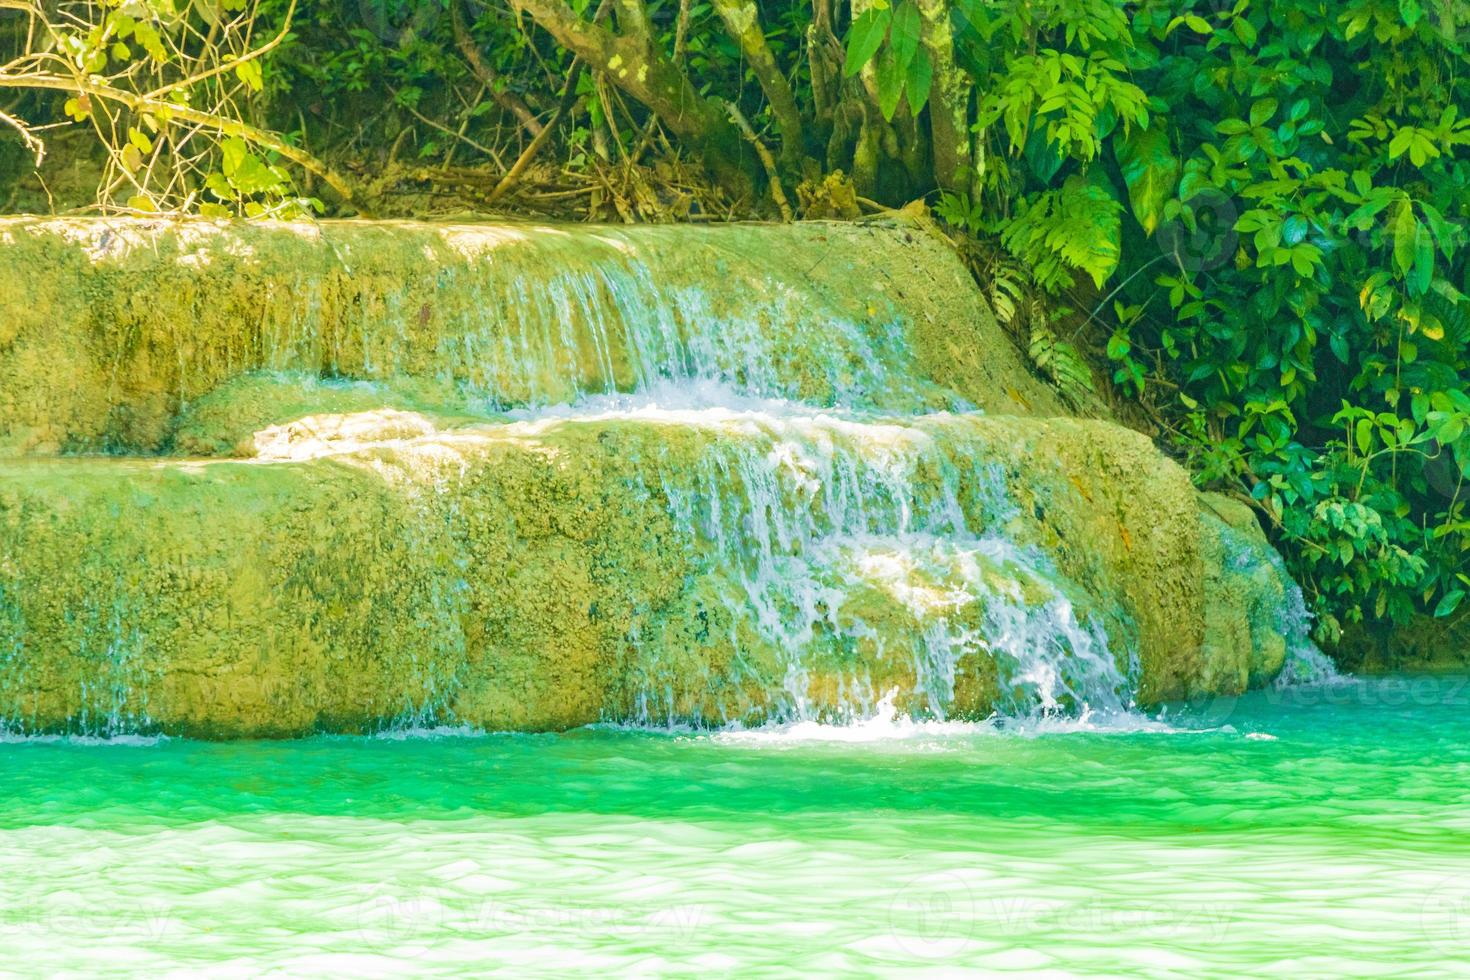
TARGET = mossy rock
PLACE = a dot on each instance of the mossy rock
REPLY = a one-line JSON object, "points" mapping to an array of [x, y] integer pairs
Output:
{"points": [[110, 328]]}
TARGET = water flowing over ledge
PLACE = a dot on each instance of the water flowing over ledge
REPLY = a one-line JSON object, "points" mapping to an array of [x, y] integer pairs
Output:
{"points": [[527, 478]]}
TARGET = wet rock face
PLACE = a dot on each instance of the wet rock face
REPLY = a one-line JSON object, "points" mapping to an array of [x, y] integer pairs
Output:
{"points": [[772, 497], [111, 328], [545, 574]]}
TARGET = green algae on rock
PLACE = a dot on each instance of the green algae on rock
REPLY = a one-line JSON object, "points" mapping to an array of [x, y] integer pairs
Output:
{"points": [[529, 478], [542, 575], [110, 327]]}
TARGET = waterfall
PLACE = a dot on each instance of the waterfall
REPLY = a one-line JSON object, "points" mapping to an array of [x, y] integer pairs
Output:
{"points": [[569, 319], [529, 477], [855, 553]]}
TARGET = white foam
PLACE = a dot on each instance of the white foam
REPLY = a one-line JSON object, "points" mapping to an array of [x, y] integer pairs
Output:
{"points": [[111, 741], [431, 733], [889, 725]]}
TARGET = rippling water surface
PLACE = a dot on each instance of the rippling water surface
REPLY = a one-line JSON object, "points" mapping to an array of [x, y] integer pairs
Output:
{"points": [[1316, 831]]}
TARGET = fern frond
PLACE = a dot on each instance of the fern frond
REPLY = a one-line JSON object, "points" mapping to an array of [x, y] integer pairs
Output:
{"points": [[1059, 361], [1078, 227]]}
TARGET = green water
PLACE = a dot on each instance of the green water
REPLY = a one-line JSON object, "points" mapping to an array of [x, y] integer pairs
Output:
{"points": [[1317, 832]]}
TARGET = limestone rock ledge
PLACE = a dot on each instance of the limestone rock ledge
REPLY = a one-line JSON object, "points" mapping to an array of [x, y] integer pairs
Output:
{"points": [[334, 499], [529, 576]]}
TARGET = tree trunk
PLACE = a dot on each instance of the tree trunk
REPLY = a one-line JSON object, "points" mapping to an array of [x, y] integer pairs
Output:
{"points": [[742, 20], [949, 100], [503, 97], [632, 63]]}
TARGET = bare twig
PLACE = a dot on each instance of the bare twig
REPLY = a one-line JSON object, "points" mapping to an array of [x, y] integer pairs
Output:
{"points": [[460, 136], [253, 54], [503, 97], [767, 161], [568, 96], [30, 139], [223, 125]]}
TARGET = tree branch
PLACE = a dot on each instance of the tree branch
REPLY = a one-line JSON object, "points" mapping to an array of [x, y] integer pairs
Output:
{"points": [[633, 64], [742, 21], [949, 99], [778, 193], [568, 96], [503, 97], [166, 110], [227, 66], [30, 139]]}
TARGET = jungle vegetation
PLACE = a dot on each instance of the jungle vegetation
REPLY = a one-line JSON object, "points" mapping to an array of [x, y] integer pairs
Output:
{"points": [[1244, 220]]}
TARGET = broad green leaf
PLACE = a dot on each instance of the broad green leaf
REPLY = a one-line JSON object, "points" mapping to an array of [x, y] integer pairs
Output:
{"points": [[218, 185], [865, 38], [890, 83], [920, 78], [1404, 238], [1294, 229], [903, 35], [152, 43], [1150, 171], [1304, 259], [246, 173], [1423, 261], [233, 150], [1422, 149], [1195, 23], [249, 73]]}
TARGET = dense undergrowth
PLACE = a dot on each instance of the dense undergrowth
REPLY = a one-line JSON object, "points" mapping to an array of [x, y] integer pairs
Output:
{"points": [[1250, 213]]}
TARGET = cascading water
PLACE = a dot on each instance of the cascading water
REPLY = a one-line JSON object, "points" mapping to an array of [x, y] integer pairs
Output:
{"points": [[600, 320], [857, 554], [827, 519], [533, 477]]}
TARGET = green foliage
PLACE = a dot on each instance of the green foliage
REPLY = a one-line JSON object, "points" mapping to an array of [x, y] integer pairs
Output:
{"points": [[162, 86], [1290, 294], [887, 37], [1073, 228], [1259, 206], [1060, 361], [1150, 171]]}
